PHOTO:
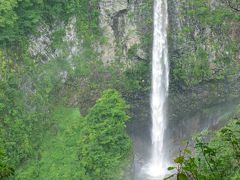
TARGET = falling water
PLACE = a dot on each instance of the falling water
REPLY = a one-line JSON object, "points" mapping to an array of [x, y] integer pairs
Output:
{"points": [[160, 83]]}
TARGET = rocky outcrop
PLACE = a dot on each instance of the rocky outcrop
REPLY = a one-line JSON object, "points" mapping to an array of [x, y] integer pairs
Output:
{"points": [[118, 21], [41, 46]]}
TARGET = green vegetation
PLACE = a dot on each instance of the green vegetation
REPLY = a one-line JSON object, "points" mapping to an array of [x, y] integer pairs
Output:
{"points": [[194, 68], [215, 154], [105, 146], [5, 170], [207, 49], [20, 18], [91, 147], [138, 77], [57, 155], [146, 24], [23, 107], [25, 144], [42, 133], [30, 130]]}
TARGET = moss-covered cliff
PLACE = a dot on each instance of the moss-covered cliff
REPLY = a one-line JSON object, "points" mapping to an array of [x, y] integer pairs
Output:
{"points": [[204, 54]]}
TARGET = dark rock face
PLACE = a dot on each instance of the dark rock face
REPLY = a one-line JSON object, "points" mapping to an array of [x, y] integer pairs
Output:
{"points": [[121, 23], [140, 126], [190, 101], [118, 23]]}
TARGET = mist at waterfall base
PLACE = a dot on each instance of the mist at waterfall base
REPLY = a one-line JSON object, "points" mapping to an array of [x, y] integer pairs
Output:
{"points": [[160, 83]]}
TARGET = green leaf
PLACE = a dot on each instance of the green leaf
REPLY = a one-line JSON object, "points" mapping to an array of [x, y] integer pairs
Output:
{"points": [[238, 123], [179, 160], [182, 176], [187, 151], [171, 168], [169, 177]]}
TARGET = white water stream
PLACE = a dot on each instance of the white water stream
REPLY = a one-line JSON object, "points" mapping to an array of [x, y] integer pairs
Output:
{"points": [[160, 83]]}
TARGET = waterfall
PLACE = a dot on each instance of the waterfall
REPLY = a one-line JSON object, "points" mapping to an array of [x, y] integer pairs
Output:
{"points": [[160, 83]]}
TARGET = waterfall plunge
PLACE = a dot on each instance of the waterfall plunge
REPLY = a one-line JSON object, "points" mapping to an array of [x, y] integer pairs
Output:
{"points": [[160, 83]]}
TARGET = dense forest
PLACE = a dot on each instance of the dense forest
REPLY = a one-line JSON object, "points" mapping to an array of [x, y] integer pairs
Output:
{"points": [[75, 85]]}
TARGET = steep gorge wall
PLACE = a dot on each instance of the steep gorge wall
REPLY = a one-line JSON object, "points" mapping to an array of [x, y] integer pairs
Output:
{"points": [[204, 55], [204, 44]]}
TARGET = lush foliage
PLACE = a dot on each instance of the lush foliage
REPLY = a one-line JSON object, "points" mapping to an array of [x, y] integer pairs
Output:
{"points": [[137, 77], [194, 68], [104, 145], [216, 155], [5, 169], [27, 96], [207, 45], [24, 108], [39, 140], [146, 24], [91, 147], [20, 18], [59, 148]]}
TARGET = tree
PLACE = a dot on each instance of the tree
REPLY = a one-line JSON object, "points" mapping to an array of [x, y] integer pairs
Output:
{"points": [[8, 15], [104, 145], [214, 156]]}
